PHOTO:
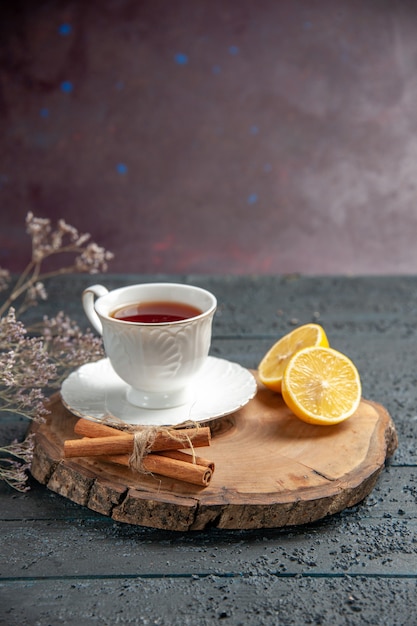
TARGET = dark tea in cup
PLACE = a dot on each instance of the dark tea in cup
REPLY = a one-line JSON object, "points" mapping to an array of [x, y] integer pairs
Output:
{"points": [[155, 312]]}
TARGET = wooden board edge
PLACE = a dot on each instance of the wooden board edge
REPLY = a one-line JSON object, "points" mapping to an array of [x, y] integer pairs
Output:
{"points": [[179, 513]]}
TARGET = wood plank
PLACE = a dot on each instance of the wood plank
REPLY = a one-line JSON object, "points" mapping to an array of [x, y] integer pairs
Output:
{"points": [[265, 599], [338, 545]]}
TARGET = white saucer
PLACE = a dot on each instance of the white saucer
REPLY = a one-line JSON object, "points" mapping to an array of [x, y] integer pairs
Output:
{"points": [[94, 390]]}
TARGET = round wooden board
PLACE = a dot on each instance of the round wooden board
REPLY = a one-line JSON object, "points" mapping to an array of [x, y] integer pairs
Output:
{"points": [[272, 470]]}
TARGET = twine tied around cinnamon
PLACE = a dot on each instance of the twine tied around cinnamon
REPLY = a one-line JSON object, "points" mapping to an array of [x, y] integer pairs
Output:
{"points": [[144, 438]]}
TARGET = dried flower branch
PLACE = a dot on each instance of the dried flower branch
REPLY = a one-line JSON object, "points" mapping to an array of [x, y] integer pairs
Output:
{"points": [[32, 365], [46, 242], [25, 369], [67, 346], [15, 472]]}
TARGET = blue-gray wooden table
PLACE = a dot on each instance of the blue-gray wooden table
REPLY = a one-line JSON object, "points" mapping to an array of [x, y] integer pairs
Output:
{"points": [[61, 563]]}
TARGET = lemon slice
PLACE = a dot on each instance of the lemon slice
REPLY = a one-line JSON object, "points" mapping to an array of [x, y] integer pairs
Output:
{"points": [[273, 364], [321, 386]]}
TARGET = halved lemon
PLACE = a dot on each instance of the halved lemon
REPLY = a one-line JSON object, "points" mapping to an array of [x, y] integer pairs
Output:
{"points": [[273, 364], [321, 386]]}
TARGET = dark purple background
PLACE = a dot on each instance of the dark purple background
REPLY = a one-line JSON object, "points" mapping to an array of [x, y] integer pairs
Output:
{"points": [[215, 136]]}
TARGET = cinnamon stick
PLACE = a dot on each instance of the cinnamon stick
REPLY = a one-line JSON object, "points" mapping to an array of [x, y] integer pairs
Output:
{"points": [[89, 428], [188, 458], [180, 470], [124, 459], [123, 443], [170, 467]]}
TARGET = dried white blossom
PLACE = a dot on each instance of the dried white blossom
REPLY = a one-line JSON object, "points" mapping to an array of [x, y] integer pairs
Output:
{"points": [[65, 238], [25, 370], [39, 229], [35, 293], [4, 279], [12, 331], [12, 472], [93, 259], [68, 347]]}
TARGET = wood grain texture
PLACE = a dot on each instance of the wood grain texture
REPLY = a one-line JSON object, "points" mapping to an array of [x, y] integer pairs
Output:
{"points": [[272, 470]]}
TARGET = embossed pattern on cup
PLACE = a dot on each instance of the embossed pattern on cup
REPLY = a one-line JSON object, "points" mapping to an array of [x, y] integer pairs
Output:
{"points": [[157, 360], [144, 357]]}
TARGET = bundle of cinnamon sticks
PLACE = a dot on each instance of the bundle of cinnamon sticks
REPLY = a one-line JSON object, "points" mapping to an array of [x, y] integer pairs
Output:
{"points": [[164, 456]]}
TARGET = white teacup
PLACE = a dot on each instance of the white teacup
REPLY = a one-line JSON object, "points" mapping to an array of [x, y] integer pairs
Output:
{"points": [[157, 360]]}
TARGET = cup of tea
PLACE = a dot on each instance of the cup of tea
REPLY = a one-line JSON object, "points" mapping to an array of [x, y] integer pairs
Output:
{"points": [[156, 335]]}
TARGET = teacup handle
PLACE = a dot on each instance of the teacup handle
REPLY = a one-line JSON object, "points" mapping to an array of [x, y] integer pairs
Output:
{"points": [[88, 296]]}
